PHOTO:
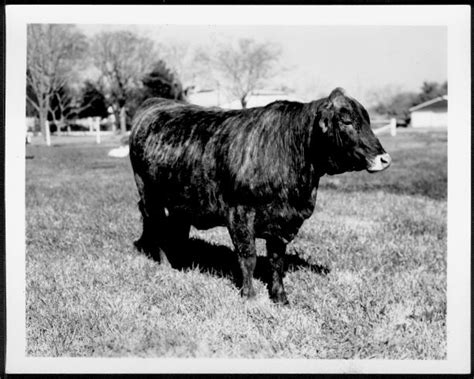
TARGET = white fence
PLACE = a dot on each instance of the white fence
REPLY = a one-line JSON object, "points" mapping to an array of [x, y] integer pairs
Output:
{"points": [[88, 133], [390, 127], [93, 123]]}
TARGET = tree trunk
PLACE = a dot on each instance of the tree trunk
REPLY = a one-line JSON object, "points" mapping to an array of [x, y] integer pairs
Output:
{"points": [[123, 121], [59, 124], [47, 133], [243, 101], [42, 119], [116, 124], [44, 126], [43, 116]]}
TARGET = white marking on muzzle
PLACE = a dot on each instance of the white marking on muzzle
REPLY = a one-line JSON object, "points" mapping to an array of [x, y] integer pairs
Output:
{"points": [[380, 163]]}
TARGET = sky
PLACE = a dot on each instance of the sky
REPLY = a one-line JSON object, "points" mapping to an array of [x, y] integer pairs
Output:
{"points": [[316, 59]]}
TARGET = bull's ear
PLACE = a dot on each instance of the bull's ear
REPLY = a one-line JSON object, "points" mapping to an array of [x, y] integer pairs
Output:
{"points": [[324, 124], [338, 91], [326, 115], [338, 97], [334, 102]]}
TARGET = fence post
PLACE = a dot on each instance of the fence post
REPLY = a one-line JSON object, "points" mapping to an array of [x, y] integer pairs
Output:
{"points": [[97, 129], [91, 124], [393, 127]]}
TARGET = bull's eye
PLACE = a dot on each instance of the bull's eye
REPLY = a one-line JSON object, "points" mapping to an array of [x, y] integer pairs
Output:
{"points": [[346, 122]]}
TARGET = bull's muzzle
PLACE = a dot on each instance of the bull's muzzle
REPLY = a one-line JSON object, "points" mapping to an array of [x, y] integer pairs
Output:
{"points": [[380, 163]]}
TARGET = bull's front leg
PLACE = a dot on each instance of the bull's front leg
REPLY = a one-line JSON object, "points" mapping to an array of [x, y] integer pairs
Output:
{"points": [[276, 255], [241, 224]]}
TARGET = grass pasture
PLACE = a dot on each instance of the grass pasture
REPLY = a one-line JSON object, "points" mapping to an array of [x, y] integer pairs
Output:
{"points": [[376, 286]]}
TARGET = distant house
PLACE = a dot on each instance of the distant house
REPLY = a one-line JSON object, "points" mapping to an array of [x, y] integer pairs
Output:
{"points": [[432, 113], [205, 97], [260, 98], [257, 98]]}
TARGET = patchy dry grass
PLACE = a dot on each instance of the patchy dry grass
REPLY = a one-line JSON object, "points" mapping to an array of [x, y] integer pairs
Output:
{"points": [[382, 237]]}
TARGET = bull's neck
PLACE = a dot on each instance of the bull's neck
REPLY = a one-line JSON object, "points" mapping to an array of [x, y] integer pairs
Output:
{"points": [[318, 144]]}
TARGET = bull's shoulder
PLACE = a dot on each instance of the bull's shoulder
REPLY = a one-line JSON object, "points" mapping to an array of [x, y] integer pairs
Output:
{"points": [[160, 102], [172, 122], [182, 107], [285, 115], [284, 104]]}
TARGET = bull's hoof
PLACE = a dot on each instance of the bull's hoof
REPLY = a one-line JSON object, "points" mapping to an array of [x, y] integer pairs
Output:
{"points": [[164, 259], [248, 293], [155, 253], [139, 245], [280, 298]]}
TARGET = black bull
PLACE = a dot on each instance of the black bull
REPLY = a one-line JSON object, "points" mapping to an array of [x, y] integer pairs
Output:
{"points": [[255, 171]]}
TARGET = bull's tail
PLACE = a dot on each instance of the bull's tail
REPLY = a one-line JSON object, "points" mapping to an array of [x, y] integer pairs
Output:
{"points": [[141, 191]]}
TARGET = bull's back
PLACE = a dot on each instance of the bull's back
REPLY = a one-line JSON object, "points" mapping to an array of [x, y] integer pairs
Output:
{"points": [[172, 152], [167, 134]]}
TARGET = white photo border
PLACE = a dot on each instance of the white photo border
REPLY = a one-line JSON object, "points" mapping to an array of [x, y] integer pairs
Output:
{"points": [[457, 20]]}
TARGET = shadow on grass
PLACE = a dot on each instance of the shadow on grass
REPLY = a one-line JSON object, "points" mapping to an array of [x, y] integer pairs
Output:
{"points": [[221, 261]]}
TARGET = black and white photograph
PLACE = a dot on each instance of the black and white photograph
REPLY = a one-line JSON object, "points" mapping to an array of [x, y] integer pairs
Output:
{"points": [[238, 189]]}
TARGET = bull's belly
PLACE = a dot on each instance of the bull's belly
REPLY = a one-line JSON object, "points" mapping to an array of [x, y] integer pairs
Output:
{"points": [[198, 213], [281, 222], [205, 207], [270, 222], [204, 221]]}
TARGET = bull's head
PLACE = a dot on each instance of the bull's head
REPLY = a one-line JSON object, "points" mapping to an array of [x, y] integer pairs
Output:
{"points": [[348, 142]]}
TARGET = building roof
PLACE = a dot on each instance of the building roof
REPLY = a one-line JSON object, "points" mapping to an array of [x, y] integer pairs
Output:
{"points": [[260, 98], [204, 97], [256, 98], [439, 101]]}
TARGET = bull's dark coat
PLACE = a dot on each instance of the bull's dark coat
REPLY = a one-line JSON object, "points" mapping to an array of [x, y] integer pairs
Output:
{"points": [[255, 171]]}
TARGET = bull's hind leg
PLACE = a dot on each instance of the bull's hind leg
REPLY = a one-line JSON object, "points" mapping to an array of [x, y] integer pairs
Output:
{"points": [[149, 242], [174, 236], [153, 217], [276, 255], [241, 229]]}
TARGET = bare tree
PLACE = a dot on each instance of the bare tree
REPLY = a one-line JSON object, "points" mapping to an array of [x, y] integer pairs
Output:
{"points": [[53, 55], [244, 66], [62, 106], [432, 90], [180, 58], [122, 58], [90, 102], [67, 103], [381, 95]]}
